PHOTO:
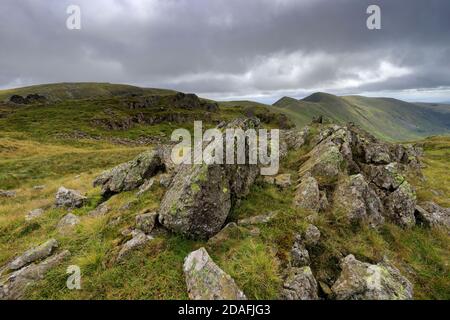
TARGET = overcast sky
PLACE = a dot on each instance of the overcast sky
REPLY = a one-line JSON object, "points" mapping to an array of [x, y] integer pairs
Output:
{"points": [[233, 49]]}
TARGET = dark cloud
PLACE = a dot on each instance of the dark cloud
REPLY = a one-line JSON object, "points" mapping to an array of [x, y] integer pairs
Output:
{"points": [[232, 48]]}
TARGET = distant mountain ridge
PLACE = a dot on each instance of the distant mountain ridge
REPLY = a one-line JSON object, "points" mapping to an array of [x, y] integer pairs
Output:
{"points": [[386, 118]]}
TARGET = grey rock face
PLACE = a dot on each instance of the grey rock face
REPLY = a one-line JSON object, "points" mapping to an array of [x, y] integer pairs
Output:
{"points": [[364, 281], [146, 222], [307, 195], [67, 198], [300, 284], [34, 214], [132, 174], [13, 286], [206, 281], [34, 254], [433, 215], [68, 222], [200, 196]]}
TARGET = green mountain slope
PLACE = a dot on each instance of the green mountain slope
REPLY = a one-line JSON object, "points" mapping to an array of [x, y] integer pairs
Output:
{"points": [[386, 118]]}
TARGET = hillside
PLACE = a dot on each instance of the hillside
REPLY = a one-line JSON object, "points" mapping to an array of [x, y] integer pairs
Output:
{"points": [[386, 118]]}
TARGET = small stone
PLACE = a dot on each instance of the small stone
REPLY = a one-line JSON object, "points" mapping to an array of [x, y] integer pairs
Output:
{"points": [[145, 187], [165, 180], [299, 254], [312, 235], [146, 222], [33, 214], [432, 215], [300, 284], [68, 222], [41, 187], [7, 194], [67, 198], [206, 281], [261, 219], [138, 241]]}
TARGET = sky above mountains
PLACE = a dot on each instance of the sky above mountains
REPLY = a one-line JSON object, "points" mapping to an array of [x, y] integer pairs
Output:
{"points": [[233, 49]]}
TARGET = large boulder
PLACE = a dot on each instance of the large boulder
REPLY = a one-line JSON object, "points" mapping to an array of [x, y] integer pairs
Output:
{"points": [[200, 196], [130, 175], [206, 281], [358, 201], [300, 284], [67, 198], [37, 253], [363, 281], [432, 215]]}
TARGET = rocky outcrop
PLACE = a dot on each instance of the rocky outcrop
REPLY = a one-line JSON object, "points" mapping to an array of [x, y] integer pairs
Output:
{"points": [[67, 198], [363, 281], [200, 196], [362, 176], [13, 285], [132, 174], [206, 281], [300, 284], [432, 215]]}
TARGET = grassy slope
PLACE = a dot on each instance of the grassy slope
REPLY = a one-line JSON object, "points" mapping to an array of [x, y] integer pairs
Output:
{"points": [[389, 119]]}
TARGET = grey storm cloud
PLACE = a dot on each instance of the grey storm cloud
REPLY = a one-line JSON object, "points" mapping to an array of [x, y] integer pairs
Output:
{"points": [[230, 48]]}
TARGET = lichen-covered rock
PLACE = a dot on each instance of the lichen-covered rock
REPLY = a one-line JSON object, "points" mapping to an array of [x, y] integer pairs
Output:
{"points": [[299, 254], [145, 187], [130, 175], [386, 177], [146, 221], [355, 198], [138, 240], [206, 281], [307, 195], [363, 281], [200, 196], [400, 205], [68, 222], [433, 215], [67, 198], [300, 284], [34, 254], [34, 214], [13, 286]]}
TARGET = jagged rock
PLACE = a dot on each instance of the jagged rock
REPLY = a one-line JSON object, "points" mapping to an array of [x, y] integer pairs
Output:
{"points": [[358, 201], [100, 211], [261, 219], [33, 214], [130, 175], [400, 205], [363, 281], [145, 187], [307, 195], [200, 196], [300, 284], [283, 180], [68, 222], [386, 177], [432, 215], [67, 198], [7, 194], [206, 281], [138, 240], [34, 254], [299, 254], [230, 231], [14, 285], [312, 235], [146, 222]]}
